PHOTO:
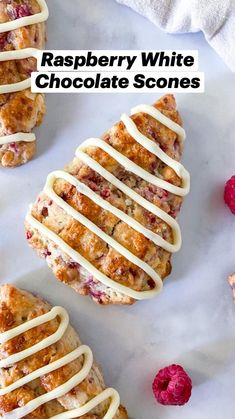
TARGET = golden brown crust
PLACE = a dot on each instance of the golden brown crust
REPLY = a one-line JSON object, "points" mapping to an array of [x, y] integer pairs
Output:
{"points": [[102, 256], [21, 111], [17, 307]]}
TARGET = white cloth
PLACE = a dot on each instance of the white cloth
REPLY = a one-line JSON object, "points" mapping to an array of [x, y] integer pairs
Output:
{"points": [[215, 18]]}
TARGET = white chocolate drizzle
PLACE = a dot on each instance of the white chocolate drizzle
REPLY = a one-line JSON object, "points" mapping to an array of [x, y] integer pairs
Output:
{"points": [[83, 350], [130, 166], [77, 257], [109, 393], [56, 311], [16, 138], [160, 117], [17, 55], [20, 55], [137, 170]]}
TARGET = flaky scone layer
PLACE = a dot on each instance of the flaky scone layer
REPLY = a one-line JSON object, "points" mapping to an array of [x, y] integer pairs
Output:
{"points": [[101, 255], [17, 307], [21, 111]]}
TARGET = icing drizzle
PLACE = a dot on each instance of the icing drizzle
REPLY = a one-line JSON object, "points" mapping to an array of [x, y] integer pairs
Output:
{"points": [[19, 55], [63, 389], [134, 168]]}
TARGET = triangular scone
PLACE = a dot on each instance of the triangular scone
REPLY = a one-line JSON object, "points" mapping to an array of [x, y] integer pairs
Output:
{"points": [[106, 225], [20, 111], [19, 307]]}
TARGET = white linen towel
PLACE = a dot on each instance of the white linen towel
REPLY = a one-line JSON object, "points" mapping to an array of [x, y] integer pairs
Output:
{"points": [[215, 18]]}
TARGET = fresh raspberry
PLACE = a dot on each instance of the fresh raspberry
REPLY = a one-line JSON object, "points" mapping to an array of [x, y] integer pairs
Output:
{"points": [[229, 194], [172, 386]]}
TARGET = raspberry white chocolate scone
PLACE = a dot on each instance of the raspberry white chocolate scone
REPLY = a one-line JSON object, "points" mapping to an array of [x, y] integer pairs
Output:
{"points": [[45, 372], [106, 225], [231, 280], [22, 32]]}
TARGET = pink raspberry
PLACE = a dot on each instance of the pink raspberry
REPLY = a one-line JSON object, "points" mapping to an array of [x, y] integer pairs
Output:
{"points": [[73, 265], [29, 235], [229, 194], [105, 193], [172, 386], [46, 253], [19, 11], [23, 10], [14, 146]]}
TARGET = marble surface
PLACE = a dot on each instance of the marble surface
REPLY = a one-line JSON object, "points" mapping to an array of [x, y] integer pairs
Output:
{"points": [[192, 321]]}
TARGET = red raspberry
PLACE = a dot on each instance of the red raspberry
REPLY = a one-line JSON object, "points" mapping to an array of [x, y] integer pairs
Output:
{"points": [[19, 11], [172, 386], [229, 194], [23, 10], [29, 235], [105, 193]]}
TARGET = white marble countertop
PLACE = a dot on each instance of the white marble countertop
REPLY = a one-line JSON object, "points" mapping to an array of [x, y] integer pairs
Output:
{"points": [[192, 321]]}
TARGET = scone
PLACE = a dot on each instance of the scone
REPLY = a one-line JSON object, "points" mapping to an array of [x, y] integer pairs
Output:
{"points": [[20, 110], [106, 225], [231, 280], [45, 372]]}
